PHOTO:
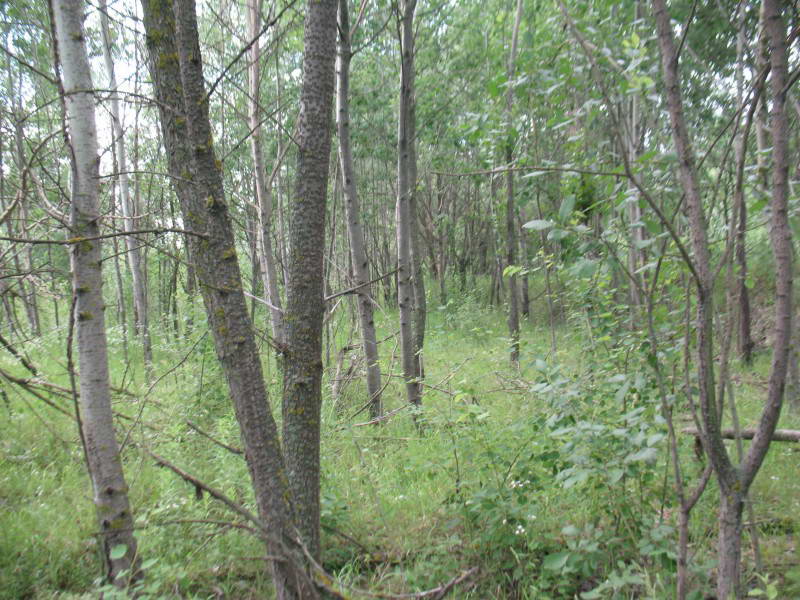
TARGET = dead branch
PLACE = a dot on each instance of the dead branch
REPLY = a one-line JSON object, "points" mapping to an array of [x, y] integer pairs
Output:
{"points": [[780, 435]]}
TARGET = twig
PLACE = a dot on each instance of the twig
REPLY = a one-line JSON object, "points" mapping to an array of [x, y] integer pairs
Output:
{"points": [[244, 50], [213, 439], [79, 240], [532, 169], [214, 493], [353, 290], [381, 418]]}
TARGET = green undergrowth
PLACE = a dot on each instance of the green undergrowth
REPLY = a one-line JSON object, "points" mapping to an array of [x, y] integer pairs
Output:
{"points": [[551, 479]]}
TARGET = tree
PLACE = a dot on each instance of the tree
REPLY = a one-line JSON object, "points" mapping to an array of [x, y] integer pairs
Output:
{"points": [[305, 303], [355, 231], [511, 207], [114, 516], [176, 68], [734, 481], [410, 293]]}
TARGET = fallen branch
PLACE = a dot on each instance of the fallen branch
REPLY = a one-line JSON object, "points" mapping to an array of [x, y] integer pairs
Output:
{"points": [[780, 435], [379, 419], [436, 593]]}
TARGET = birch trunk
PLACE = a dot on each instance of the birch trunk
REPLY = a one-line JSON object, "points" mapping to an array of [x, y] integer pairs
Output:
{"points": [[97, 428], [353, 214], [129, 210]]}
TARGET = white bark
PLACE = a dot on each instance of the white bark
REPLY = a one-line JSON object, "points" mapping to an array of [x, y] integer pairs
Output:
{"points": [[102, 452]]}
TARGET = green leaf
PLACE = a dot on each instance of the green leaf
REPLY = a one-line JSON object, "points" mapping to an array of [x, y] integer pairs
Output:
{"points": [[538, 224], [585, 267], [615, 475], [512, 270], [567, 204], [557, 234], [535, 174], [118, 551], [643, 455], [570, 530], [556, 561]]}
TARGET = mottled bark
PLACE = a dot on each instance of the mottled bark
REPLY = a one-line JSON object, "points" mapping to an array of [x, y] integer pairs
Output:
{"points": [[305, 305], [176, 67], [113, 510], [128, 208], [266, 258], [355, 231]]}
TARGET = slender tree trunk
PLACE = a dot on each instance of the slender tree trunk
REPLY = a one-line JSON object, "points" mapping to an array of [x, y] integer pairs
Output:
{"points": [[420, 309], [745, 338], [122, 312], [635, 259], [176, 68], [781, 240], [27, 289], [114, 515], [511, 208], [405, 218], [353, 214], [525, 289], [129, 210], [266, 257]]}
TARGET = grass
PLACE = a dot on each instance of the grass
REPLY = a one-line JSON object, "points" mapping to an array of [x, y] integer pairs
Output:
{"points": [[511, 471]]}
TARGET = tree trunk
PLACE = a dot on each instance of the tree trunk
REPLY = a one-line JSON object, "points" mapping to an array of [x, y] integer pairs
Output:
{"points": [[511, 209], [114, 515], [176, 68], [729, 546], [405, 218], [353, 215], [266, 257], [525, 297], [305, 305], [129, 210]]}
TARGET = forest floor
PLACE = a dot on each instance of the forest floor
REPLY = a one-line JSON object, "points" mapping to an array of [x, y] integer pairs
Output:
{"points": [[552, 479]]}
